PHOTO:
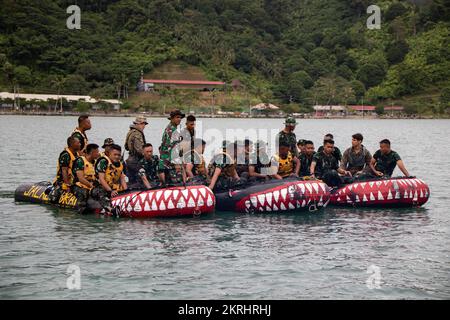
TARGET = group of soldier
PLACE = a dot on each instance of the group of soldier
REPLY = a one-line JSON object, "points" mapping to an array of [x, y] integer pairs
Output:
{"points": [[85, 171]]}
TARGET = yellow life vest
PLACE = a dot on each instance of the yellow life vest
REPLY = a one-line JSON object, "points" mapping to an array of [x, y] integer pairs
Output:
{"points": [[59, 177], [113, 174], [285, 166], [85, 141], [89, 173]]}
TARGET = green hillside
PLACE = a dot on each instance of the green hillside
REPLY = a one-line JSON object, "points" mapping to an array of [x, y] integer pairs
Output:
{"points": [[297, 52]]}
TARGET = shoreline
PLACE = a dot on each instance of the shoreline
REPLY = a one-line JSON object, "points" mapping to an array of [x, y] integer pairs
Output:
{"points": [[132, 115]]}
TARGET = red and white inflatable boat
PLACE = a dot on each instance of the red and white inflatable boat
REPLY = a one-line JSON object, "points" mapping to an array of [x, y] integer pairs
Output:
{"points": [[168, 202], [275, 196], [393, 192]]}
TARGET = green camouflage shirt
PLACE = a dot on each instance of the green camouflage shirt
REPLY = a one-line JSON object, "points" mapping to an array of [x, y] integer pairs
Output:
{"points": [[289, 138], [150, 167], [170, 139], [324, 163], [386, 163]]}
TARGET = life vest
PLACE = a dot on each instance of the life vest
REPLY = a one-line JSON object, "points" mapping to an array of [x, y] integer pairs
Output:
{"points": [[89, 173], [113, 174], [59, 177], [357, 162], [230, 168], [85, 141], [285, 166]]}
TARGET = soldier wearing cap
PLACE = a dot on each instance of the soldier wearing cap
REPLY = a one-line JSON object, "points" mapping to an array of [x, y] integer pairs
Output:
{"points": [[169, 152], [106, 145], [287, 135], [134, 144]]}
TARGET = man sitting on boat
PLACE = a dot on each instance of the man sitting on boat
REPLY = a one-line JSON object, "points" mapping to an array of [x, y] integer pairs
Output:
{"points": [[194, 162], [325, 166], [336, 151], [306, 158], [260, 170], [356, 159], [222, 169], [385, 160], [106, 144], [285, 163], [84, 175], [110, 178], [148, 172], [64, 175], [242, 158]]}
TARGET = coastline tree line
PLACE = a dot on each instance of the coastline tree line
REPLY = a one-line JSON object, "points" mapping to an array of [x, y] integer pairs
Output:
{"points": [[294, 52]]}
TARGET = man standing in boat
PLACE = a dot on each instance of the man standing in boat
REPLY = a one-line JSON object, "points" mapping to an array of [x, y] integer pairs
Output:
{"points": [[64, 175], [287, 135], [134, 144], [356, 159], [170, 161], [84, 176], [84, 124], [385, 160]]}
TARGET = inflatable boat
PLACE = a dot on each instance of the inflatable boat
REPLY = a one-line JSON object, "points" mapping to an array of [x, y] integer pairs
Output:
{"points": [[168, 202], [275, 196], [393, 192]]}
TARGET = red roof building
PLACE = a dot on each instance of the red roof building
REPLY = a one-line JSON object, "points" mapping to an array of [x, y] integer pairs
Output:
{"points": [[362, 108], [394, 108], [150, 84]]}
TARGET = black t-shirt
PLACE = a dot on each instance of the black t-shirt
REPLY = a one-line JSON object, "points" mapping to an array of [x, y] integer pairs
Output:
{"points": [[386, 163]]}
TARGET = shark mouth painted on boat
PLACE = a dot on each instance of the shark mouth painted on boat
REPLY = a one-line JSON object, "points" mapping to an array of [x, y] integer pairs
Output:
{"points": [[390, 192]]}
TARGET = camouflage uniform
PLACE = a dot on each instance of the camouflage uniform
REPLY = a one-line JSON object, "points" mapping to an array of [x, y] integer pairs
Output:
{"points": [[149, 169], [169, 147], [289, 138], [134, 144], [336, 153], [386, 163], [305, 164], [81, 194], [326, 168]]}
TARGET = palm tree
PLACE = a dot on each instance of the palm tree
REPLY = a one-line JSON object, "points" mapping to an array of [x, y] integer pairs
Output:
{"points": [[58, 83]]}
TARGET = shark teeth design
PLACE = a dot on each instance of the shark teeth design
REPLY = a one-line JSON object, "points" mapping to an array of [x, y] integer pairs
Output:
{"points": [[282, 206], [210, 201], [203, 192], [247, 204], [316, 187], [405, 196], [275, 208], [372, 197], [194, 193], [291, 206], [137, 207], [308, 186], [154, 205], [147, 206], [185, 193], [380, 196], [176, 192], [357, 198], [389, 197], [365, 198], [191, 203], [143, 196], [261, 199], [181, 203], [276, 195], [162, 206], [269, 198], [254, 201], [170, 205], [158, 195], [283, 193]]}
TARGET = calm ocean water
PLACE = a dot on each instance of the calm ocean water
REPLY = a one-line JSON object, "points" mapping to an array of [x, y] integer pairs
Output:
{"points": [[323, 255]]}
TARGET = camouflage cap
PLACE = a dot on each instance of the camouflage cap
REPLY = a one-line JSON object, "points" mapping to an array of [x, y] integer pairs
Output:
{"points": [[290, 120], [108, 142], [175, 113], [140, 120]]}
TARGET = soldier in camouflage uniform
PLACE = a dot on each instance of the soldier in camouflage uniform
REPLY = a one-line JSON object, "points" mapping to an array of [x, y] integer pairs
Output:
{"points": [[84, 124], [287, 135], [148, 171], [222, 169], [133, 144], [170, 163]]}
